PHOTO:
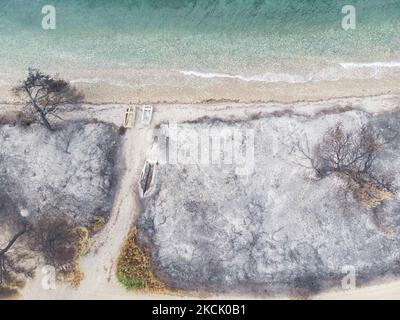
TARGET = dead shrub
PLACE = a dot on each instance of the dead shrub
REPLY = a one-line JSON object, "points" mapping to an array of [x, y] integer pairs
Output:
{"points": [[62, 244], [282, 113], [370, 195], [7, 292], [17, 118], [335, 110], [121, 130], [96, 225]]}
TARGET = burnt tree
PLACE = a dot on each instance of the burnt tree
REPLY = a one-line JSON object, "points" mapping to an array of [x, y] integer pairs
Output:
{"points": [[4, 251], [45, 94], [352, 155]]}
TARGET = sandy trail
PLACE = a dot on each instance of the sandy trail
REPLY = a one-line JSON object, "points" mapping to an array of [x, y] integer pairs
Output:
{"points": [[99, 264]]}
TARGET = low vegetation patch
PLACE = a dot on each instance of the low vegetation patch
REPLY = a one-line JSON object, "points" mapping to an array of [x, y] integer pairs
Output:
{"points": [[7, 291], [62, 245], [134, 269], [96, 225], [16, 118], [334, 110], [11, 284]]}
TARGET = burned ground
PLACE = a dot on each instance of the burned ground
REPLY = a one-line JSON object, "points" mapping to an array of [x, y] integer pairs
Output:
{"points": [[70, 172], [274, 230]]}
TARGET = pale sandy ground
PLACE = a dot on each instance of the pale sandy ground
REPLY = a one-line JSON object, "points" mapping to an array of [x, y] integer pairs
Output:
{"points": [[221, 90], [99, 264]]}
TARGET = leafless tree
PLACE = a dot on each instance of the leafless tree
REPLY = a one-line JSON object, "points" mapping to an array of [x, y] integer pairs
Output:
{"points": [[351, 155], [4, 251], [46, 94], [56, 238]]}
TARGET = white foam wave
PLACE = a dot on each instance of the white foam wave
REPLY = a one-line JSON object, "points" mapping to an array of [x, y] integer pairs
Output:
{"points": [[354, 65], [267, 77], [350, 70]]}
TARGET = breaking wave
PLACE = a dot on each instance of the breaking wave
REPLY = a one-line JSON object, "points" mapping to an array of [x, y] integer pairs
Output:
{"points": [[373, 70]]}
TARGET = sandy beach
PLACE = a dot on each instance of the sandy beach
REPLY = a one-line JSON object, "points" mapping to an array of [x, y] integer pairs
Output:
{"points": [[221, 90]]}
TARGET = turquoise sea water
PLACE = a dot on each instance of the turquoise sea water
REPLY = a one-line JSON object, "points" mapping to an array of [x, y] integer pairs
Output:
{"points": [[249, 40]]}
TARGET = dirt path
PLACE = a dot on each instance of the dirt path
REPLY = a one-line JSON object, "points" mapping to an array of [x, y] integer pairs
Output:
{"points": [[99, 264]]}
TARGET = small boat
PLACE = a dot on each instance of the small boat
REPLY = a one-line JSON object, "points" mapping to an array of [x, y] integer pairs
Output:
{"points": [[146, 178], [130, 117], [147, 114]]}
